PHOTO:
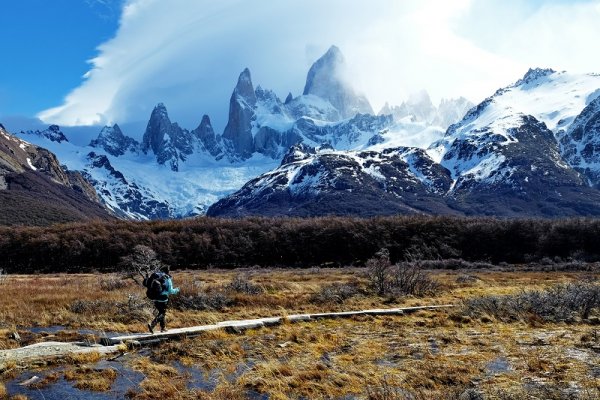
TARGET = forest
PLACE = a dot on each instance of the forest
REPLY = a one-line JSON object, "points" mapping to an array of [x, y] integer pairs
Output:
{"points": [[204, 243]]}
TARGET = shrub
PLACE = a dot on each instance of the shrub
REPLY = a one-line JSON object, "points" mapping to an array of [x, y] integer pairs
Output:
{"points": [[335, 293], [140, 263], [466, 278], [200, 301], [111, 282], [242, 284], [90, 306], [135, 308], [407, 278], [378, 269], [411, 279], [558, 303]]}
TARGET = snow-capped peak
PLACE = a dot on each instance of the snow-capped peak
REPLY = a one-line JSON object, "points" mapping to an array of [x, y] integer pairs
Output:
{"points": [[534, 74]]}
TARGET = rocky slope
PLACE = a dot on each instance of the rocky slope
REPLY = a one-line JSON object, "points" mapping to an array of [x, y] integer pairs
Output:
{"points": [[36, 190], [327, 182]]}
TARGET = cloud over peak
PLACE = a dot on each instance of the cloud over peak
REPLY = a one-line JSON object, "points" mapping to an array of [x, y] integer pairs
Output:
{"points": [[189, 53]]}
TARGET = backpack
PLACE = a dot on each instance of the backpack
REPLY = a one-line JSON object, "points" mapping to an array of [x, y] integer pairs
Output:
{"points": [[156, 283]]}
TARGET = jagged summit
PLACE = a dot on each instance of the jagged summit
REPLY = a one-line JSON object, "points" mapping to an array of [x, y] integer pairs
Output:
{"points": [[206, 135], [244, 88], [289, 98], [52, 133], [534, 74], [158, 125], [328, 64], [241, 110], [325, 79], [420, 109], [112, 139]]}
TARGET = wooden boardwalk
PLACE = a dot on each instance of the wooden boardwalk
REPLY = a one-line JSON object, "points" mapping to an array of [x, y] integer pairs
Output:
{"points": [[46, 351], [241, 325]]}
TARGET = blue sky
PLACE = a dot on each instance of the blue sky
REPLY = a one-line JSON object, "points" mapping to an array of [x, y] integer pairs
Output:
{"points": [[189, 53], [45, 46]]}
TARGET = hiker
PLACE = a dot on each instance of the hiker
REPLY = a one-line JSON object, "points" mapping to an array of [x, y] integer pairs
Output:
{"points": [[160, 286]]}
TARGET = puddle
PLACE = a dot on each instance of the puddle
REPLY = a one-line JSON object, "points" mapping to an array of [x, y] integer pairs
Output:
{"points": [[63, 389], [46, 329], [434, 348], [499, 365], [53, 330], [59, 333], [197, 378]]}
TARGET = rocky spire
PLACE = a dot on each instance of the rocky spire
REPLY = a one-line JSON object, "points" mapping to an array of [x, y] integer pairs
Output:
{"points": [[325, 80], [241, 111], [289, 98], [158, 125], [206, 135]]}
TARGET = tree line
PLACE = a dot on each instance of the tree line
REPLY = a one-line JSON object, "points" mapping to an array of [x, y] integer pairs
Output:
{"points": [[296, 242]]}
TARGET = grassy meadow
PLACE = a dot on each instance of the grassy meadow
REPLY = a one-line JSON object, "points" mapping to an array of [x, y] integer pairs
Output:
{"points": [[485, 347]]}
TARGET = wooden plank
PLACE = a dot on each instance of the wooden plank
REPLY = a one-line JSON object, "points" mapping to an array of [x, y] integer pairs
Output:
{"points": [[236, 326]]}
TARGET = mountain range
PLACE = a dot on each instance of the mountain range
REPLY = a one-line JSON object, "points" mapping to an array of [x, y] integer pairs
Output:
{"points": [[530, 149], [174, 172]]}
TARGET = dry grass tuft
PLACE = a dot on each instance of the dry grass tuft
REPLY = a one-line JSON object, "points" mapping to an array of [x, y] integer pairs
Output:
{"points": [[3, 392], [87, 378], [83, 358]]}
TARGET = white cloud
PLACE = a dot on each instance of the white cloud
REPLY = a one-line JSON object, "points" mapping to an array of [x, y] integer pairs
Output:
{"points": [[188, 53]]}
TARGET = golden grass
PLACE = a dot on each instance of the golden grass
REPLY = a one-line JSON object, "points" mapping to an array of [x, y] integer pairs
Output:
{"points": [[3, 392], [87, 378], [428, 354]]}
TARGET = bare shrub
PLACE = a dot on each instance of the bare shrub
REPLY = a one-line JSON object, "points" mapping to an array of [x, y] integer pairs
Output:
{"points": [[378, 269], [194, 296], [455, 263], [111, 282], [336, 293], [135, 308], [408, 278], [241, 284], [559, 303], [90, 306], [411, 279], [200, 301], [140, 263]]}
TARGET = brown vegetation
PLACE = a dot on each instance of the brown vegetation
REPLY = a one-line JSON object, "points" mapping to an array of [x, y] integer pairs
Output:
{"points": [[444, 242], [444, 354]]}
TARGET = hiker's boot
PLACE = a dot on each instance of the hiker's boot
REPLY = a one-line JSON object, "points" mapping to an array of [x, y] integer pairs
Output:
{"points": [[150, 328], [162, 328]]}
